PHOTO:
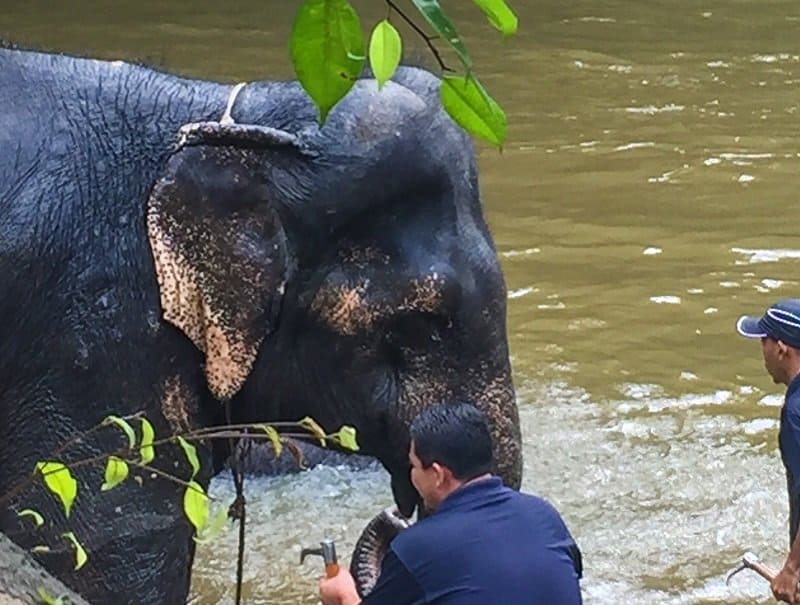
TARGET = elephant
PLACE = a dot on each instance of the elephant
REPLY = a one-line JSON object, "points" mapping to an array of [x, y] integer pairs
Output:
{"points": [[208, 254]]}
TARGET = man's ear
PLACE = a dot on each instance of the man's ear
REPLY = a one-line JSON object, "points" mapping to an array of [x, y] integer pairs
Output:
{"points": [[783, 348], [443, 474]]}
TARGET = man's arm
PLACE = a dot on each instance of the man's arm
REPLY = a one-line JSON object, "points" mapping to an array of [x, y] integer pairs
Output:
{"points": [[338, 590], [784, 586], [395, 586]]}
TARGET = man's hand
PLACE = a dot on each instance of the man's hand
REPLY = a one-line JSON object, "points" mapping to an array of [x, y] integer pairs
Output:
{"points": [[784, 586], [338, 590]]}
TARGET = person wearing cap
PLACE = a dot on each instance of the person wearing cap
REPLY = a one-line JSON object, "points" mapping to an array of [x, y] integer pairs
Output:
{"points": [[482, 543], [779, 331]]}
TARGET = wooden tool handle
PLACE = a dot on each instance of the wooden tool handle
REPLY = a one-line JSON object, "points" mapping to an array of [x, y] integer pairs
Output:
{"points": [[332, 570], [762, 570]]}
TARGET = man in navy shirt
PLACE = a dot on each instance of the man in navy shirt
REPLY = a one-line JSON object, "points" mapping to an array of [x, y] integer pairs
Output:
{"points": [[779, 331], [483, 543]]}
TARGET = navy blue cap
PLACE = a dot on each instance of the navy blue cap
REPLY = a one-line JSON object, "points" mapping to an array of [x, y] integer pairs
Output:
{"points": [[781, 322]]}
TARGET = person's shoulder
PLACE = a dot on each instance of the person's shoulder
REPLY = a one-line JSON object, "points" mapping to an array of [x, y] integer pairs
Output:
{"points": [[793, 394], [426, 534], [792, 403], [412, 533], [535, 501], [541, 508], [420, 541]]}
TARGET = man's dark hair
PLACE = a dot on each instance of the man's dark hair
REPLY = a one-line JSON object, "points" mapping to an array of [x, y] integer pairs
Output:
{"points": [[455, 435]]}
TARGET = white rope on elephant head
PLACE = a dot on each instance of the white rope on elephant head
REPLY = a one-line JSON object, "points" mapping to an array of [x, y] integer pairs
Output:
{"points": [[197, 133], [226, 117], [226, 120]]}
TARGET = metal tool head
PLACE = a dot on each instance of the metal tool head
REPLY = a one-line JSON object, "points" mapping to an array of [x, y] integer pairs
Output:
{"points": [[741, 567], [326, 550], [749, 561]]}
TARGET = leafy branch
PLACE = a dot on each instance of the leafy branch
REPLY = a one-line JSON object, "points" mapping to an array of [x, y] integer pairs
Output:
{"points": [[328, 55], [140, 453], [421, 33]]}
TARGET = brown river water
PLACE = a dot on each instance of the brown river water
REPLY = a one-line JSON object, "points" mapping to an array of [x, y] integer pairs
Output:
{"points": [[643, 202]]}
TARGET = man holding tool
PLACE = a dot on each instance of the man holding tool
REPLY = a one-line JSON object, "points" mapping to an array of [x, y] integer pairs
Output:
{"points": [[779, 331], [483, 542]]}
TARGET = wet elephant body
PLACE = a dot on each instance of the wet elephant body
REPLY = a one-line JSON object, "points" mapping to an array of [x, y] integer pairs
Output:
{"points": [[342, 272]]}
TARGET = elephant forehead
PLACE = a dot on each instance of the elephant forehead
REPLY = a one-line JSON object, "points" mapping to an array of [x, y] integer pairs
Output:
{"points": [[425, 294], [349, 306], [380, 113], [345, 308]]}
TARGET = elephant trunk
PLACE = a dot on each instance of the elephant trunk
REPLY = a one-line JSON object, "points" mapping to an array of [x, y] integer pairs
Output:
{"points": [[372, 546], [491, 389], [498, 403]]}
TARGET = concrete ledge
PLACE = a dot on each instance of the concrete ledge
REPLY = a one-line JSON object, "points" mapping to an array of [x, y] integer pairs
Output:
{"points": [[21, 576]]}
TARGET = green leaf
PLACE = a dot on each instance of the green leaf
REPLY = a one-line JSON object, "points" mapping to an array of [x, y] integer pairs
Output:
{"points": [[80, 554], [116, 472], [310, 424], [146, 448], [214, 527], [45, 598], [442, 25], [327, 49], [126, 428], [60, 481], [40, 549], [273, 435], [195, 505], [499, 14], [473, 109], [191, 455], [29, 512], [385, 50], [346, 437]]}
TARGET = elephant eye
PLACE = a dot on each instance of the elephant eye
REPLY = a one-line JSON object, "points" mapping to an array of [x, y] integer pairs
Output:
{"points": [[417, 330]]}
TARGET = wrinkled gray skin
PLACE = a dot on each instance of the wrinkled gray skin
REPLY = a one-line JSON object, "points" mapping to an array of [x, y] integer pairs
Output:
{"points": [[343, 272], [371, 548]]}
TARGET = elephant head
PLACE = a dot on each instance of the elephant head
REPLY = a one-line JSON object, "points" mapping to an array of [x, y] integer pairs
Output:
{"points": [[343, 272]]}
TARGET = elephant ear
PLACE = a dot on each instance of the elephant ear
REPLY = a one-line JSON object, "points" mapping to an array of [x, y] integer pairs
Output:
{"points": [[220, 256]]}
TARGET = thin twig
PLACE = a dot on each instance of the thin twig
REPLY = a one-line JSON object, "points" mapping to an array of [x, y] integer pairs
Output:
{"points": [[81, 436], [224, 433], [27, 481], [241, 508], [428, 39], [173, 478], [250, 425]]}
